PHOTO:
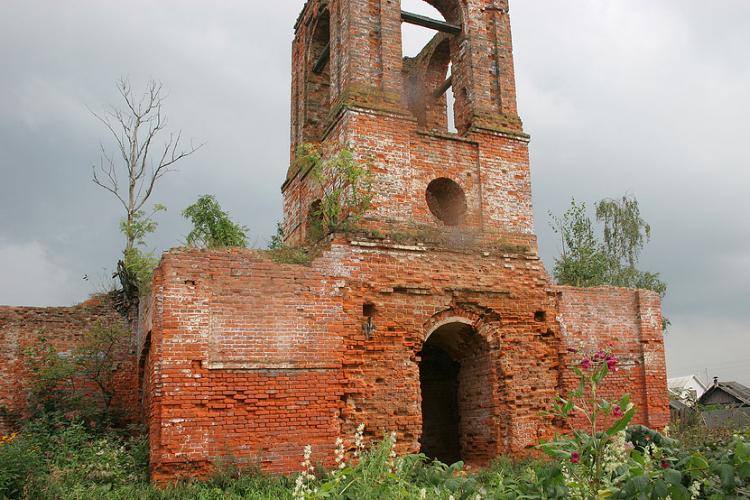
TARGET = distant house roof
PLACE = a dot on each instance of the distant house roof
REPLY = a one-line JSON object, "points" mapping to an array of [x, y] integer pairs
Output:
{"points": [[678, 405], [680, 385], [737, 391]]}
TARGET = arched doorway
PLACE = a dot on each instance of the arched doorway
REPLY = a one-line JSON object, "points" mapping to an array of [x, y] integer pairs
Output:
{"points": [[457, 410]]}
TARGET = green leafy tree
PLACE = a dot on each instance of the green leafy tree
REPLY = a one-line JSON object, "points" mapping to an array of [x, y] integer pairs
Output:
{"points": [[212, 227], [583, 262], [54, 387], [611, 259], [625, 234], [96, 361], [277, 239], [285, 254]]}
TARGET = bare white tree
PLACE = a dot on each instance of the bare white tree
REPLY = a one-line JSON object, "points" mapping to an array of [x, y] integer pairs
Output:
{"points": [[145, 151]]}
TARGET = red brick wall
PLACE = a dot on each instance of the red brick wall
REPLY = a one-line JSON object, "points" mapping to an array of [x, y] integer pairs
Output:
{"points": [[492, 169], [301, 370], [243, 362], [64, 328], [630, 323]]}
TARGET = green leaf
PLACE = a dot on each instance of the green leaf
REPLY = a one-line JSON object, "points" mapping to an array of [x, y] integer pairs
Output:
{"points": [[622, 424], [697, 462], [635, 486], [451, 484], [672, 476], [568, 407], [679, 492], [661, 489], [726, 473], [600, 373], [744, 471], [742, 452], [625, 401]]}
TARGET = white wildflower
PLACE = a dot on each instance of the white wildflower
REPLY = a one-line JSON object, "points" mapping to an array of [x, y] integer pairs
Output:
{"points": [[392, 454], [301, 486], [423, 494], [339, 455], [359, 440], [695, 489], [615, 453]]}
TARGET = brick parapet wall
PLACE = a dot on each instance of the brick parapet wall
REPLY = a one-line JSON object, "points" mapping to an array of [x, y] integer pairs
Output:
{"points": [[63, 327], [629, 322]]}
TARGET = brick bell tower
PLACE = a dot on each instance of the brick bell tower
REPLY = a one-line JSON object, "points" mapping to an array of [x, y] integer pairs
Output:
{"points": [[434, 319], [351, 86], [452, 283]]}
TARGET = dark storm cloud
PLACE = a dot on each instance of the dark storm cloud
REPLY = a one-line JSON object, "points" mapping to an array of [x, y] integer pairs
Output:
{"points": [[651, 98], [639, 96]]}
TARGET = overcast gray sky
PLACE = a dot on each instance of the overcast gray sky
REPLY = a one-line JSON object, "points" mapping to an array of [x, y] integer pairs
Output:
{"points": [[640, 96]]}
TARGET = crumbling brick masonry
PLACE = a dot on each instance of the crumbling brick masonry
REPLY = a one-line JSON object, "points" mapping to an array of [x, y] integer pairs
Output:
{"points": [[24, 328], [434, 319]]}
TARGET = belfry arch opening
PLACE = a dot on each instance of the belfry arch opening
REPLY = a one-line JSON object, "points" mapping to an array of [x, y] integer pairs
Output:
{"points": [[457, 409], [430, 36], [318, 82]]}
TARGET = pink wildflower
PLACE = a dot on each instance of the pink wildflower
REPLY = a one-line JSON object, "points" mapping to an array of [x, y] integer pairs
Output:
{"points": [[586, 364], [575, 457], [612, 361], [617, 412], [664, 464]]}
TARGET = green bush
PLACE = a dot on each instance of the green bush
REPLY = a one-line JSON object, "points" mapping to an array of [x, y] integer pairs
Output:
{"points": [[55, 458], [619, 462], [212, 226], [51, 459]]}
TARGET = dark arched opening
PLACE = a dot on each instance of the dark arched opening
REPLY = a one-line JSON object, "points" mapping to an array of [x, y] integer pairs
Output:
{"points": [[457, 410], [314, 229], [318, 81], [438, 378]]}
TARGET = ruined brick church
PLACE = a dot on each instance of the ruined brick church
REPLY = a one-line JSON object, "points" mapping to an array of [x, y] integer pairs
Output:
{"points": [[436, 319]]}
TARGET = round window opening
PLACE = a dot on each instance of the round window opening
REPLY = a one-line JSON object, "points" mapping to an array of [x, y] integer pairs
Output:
{"points": [[447, 201]]}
